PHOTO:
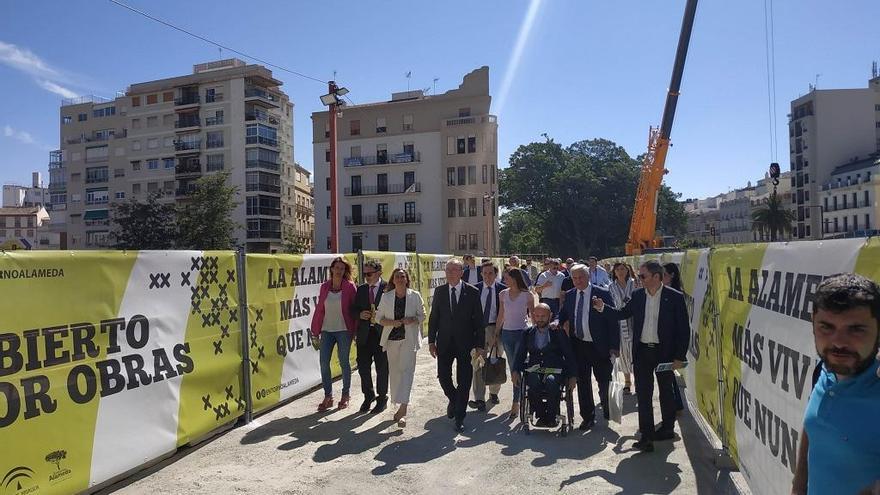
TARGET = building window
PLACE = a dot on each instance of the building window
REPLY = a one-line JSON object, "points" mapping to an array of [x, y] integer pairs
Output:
{"points": [[357, 241], [450, 176], [383, 242], [845, 223], [462, 242], [472, 174], [408, 122], [855, 222], [409, 212], [460, 146], [135, 101], [328, 213], [118, 172], [136, 165], [867, 199], [214, 139], [152, 121], [67, 119], [327, 155], [472, 244], [409, 178], [153, 164], [168, 162], [472, 144], [410, 245], [328, 243], [462, 176], [450, 206], [83, 117], [152, 99], [808, 231], [354, 127], [381, 153], [215, 162], [382, 213], [135, 123], [867, 221], [472, 207], [327, 183], [152, 143], [380, 125], [462, 208], [485, 174], [464, 112], [120, 194], [167, 96], [450, 145]]}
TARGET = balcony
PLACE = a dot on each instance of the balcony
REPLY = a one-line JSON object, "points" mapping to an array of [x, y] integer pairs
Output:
{"points": [[209, 121], [262, 164], [304, 210], [470, 119], [414, 218], [262, 187], [187, 100], [188, 167], [261, 140], [261, 96], [97, 178], [187, 124], [185, 191], [264, 210], [188, 146], [97, 223], [264, 234], [98, 201], [262, 117], [387, 189], [366, 161]]}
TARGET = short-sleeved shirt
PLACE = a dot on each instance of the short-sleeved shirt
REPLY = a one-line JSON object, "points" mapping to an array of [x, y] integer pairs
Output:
{"points": [[554, 290], [842, 428]]}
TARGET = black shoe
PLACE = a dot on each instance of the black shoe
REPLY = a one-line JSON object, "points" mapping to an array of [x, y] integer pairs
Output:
{"points": [[380, 406], [481, 405], [459, 425], [587, 424], [661, 435], [450, 410], [644, 446], [472, 404], [366, 405], [493, 398]]}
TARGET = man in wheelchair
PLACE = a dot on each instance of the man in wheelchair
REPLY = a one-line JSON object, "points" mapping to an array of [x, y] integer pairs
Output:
{"points": [[547, 357]]}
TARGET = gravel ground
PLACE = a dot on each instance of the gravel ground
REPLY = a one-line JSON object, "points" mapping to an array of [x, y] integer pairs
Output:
{"points": [[294, 450]]}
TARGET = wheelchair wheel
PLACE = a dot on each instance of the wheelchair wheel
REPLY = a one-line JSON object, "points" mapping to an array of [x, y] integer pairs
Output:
{"points": [[563, 430], [526, 428]]}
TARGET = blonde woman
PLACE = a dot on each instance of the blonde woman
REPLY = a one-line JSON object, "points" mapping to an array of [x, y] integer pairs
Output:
{"points": [[401, 313]]}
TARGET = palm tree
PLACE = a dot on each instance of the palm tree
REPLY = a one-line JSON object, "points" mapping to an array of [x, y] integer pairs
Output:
{"points": [[772, 216]]}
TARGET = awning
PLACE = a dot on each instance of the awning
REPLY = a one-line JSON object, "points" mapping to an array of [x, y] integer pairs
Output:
{"points": [[96, 215]]}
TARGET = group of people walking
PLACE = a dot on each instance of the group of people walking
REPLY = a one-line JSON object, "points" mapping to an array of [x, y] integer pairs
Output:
{"points": [[584, 320]]}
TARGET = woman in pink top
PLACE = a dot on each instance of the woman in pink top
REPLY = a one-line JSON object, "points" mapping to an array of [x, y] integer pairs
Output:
{"points": [[515, 304], [333, 323]]}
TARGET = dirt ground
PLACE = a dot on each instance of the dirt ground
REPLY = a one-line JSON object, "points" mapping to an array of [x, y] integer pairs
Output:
{"points": [[295, 450]]}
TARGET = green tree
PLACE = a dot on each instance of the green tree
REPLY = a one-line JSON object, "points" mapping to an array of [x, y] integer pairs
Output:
{"points": [[204, 221], [580, 197], [521, 232], [291, 244], [772, 217], [147, 225]]}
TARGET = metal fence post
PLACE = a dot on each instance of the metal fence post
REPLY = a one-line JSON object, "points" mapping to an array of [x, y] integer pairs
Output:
{"points": [[245, 340]]}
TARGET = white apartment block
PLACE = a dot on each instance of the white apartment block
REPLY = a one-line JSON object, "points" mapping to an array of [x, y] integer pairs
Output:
{"points": [[163, 135], [849, 204], [827, 128], [415, 173], [15, 195]]}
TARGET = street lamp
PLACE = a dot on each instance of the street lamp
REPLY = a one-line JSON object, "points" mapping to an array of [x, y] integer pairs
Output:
{"points": [[333, 100]]}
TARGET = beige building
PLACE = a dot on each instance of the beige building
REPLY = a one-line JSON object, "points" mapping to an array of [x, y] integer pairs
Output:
{"points": [[827, 128], [849, 199], [163, 135], [299, 219], [416, 173], [26, 227]]}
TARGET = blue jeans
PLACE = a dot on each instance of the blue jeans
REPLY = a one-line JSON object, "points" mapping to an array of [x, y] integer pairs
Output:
{"points": [[343, 346], [512, 340]]}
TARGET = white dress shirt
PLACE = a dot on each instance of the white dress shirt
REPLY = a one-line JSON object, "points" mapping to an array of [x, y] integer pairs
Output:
{"points": [[586, 316], [489, 292], [473, 276], [457, 288], [555, 289], [650, 334]]}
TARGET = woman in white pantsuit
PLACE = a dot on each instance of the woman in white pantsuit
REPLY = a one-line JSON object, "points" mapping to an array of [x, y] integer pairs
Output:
{"points": [[401, 317], [621, 292]]}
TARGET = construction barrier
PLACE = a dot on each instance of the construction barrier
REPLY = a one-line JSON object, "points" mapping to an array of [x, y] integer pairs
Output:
{"points": [[752, 352], [109, 360]]}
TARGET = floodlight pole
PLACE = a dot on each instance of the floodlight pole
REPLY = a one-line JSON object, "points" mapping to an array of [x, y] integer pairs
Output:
{"points": [[334, 226]]}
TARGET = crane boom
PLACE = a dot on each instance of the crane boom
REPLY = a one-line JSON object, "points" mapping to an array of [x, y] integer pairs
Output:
{"points": [[642, 229]]}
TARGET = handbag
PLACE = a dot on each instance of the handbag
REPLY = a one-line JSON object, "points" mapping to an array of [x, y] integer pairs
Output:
{"points": [[495, 368], [615, 395]]}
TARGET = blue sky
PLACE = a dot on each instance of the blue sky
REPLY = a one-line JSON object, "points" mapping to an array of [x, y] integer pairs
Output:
{"points": [[589, 68]]}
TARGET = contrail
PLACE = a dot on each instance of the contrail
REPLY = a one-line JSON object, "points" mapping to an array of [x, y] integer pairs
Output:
{"points": [[516, 54]]}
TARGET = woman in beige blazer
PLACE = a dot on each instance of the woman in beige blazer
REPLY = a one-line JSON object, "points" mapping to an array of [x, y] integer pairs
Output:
{"points": [[401, 313]]}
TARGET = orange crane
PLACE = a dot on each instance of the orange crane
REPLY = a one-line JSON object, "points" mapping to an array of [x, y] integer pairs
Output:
{"points": [[642, 229]]}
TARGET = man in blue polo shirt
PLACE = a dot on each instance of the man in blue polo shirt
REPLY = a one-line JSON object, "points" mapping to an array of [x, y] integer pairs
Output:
{"points": [[839, 450]]}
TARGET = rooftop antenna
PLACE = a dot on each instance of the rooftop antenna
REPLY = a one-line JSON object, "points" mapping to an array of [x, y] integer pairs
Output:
{"points": [[816, 86], [434, 91], [220, 49], [874, 70], [408, 76]]}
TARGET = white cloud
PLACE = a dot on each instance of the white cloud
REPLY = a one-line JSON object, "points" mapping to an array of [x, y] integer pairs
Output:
{"points": [[23, 60], [12, 133], [57, 89]]}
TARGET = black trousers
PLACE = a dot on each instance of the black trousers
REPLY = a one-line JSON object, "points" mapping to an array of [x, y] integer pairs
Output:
{"points": [[646, 358], [368, 352], [589, 359], [459, 392], [544, 388]]}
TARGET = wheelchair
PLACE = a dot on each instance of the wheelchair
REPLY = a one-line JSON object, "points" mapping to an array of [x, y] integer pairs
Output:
{"points": [[564, 421]]}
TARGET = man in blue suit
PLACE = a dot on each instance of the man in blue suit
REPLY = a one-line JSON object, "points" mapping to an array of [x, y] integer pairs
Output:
{"points": [[489, 289], [661, 334], [594, 338]]}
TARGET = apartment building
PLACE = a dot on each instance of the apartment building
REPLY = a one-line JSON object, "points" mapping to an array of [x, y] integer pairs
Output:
{"points": [[827, 128], [416, 173], [17, 195], [299, 219], [849, 199], [23, 227], [161, 136]]}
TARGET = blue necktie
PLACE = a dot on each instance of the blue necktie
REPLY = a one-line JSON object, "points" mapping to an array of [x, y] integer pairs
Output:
{"points": [[579, 317], [488, 309]]}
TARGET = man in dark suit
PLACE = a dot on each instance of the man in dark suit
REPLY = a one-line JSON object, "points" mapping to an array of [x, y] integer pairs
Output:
{"points": [[472, 273], [661, 334], [368, 335], [455, 328], [595, 340], [489, 289]]}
